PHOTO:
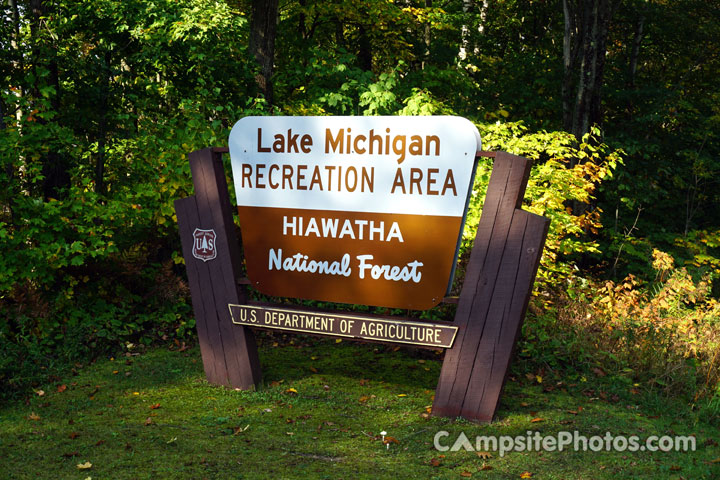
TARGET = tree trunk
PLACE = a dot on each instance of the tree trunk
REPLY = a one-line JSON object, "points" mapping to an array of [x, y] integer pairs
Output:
{"points": [[467, 5], [55, 166], [263, 30], [364, 49], [427, 37], [584, 48], [635, 52]]}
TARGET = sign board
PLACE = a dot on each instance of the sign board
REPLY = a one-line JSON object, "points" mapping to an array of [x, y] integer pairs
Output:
{"points": [[423, 334], [362, 210]]}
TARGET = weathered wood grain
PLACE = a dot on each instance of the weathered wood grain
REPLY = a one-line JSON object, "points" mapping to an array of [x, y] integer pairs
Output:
{"points": [[494, 296], [202, 299], [218, 277]]}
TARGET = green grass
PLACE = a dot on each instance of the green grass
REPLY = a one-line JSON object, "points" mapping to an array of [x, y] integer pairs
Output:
{"points": [[153, 416]]}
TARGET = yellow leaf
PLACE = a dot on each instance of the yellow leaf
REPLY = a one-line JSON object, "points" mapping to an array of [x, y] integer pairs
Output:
{"points": [[34, 416], [538, 378], [526, 475], [338, 340], [84, 466], [402, 395], [484, 455], [504, 113], [291, 390]]}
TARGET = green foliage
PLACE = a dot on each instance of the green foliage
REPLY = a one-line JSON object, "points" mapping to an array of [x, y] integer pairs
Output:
{"points": [[553, 187], [101, 102]]}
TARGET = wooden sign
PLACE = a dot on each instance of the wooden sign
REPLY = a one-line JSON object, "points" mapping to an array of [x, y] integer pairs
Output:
{"points": [[394, 330], [359, 210], [496, 288]]}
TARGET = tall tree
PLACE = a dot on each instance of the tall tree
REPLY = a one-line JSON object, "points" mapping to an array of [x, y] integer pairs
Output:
{"points": [[263, 31], [587, 23]]}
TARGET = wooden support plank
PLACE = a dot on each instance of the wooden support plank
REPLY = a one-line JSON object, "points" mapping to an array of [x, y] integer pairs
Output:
{"points": [[214, 211], [202, 299], [503, 326], [504, 319], [487, 293]]}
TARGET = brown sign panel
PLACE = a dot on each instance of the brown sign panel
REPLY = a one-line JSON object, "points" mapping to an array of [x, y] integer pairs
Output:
{"points": [[362, 210], [351, 326]]}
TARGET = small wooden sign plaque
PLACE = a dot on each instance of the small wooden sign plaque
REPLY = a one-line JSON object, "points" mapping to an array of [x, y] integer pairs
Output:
{"points": [[424, 334]]}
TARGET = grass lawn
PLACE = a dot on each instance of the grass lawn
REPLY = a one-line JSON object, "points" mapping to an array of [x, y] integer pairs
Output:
{"points": [[319, 414]]}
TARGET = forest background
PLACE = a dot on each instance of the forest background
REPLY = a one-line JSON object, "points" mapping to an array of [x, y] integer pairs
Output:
{"points": [[616, 101]]}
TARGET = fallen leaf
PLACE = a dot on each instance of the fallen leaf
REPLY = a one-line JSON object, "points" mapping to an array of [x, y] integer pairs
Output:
{"points": [[537, 419], [364, 382], [717, 460], [675, 468], [484, 455], [526, 475], [73, 435], [71, 454], [313, 369], [402, 395], [40, 393], [61, 388], [538, 378], [148, 421], [84, 466], [338, 340], [154, 406], [524, 404], [389, 439], [291, 390], [466, 474], [99, 442], [34, 417], [363, 399], [434, 462], [599, 372], [485, 467]]}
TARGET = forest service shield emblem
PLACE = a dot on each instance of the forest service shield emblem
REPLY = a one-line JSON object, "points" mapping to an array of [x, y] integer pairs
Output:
{"points": [[204, 244]]}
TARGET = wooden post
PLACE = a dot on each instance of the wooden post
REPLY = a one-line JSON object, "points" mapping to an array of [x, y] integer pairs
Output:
{"points": [[228, 351], [494, 297]]}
